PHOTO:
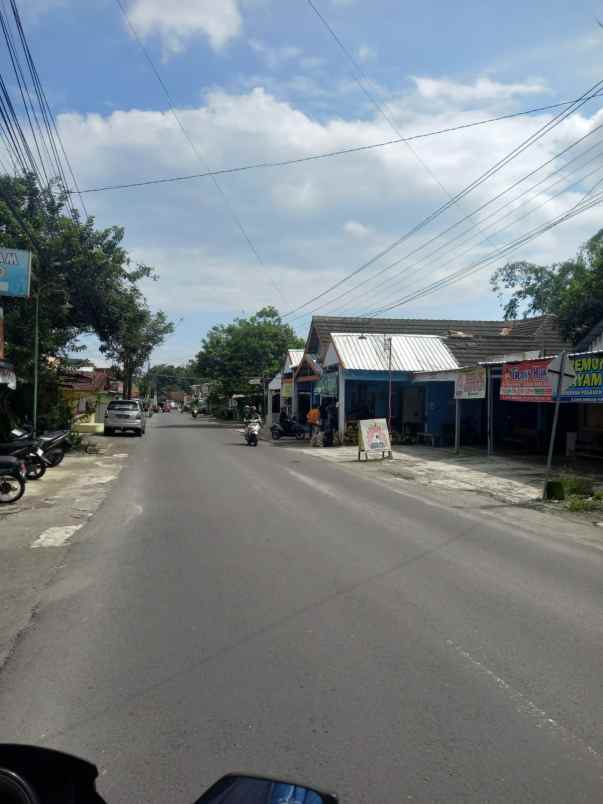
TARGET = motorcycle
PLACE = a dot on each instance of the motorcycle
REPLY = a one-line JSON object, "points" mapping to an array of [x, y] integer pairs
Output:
{"points": [[252, 432], [288, 428], [32, 775], [194, 413], [30, 453], [54, 445], [12, 479]]}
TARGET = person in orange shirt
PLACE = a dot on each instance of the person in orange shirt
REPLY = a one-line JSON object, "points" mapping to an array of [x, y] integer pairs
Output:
{"points": [[313, 419]]}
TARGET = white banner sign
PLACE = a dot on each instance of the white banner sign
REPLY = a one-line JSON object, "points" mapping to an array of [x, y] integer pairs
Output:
{"points": [[373, 436], [470, 384]]}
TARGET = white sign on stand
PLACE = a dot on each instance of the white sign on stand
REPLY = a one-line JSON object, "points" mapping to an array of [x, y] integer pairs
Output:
{"points": [[560, 380], [373, 436]]}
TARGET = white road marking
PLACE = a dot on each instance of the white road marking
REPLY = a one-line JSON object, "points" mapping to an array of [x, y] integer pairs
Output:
{"points": [[314, 484], [55, 537], [525, 706]]}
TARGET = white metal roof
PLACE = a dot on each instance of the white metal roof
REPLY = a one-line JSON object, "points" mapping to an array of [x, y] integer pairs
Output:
{"points": [[275, 383], [295, 357], [409, 352]]}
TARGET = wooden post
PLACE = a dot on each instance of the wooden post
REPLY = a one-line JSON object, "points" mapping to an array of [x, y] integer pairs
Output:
{"points": [[457, 426]]}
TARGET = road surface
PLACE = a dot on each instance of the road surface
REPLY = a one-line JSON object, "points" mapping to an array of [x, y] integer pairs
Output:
{"points": [[232, 608]]}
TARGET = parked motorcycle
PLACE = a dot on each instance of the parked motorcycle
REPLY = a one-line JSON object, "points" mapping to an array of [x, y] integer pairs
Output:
{"points": [[54, 445], [288, 429], [12, 479], [30, 453], [252, 432], [33, 775]]}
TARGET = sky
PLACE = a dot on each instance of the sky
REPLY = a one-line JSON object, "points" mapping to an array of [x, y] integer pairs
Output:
{"points": [[263, 80]]}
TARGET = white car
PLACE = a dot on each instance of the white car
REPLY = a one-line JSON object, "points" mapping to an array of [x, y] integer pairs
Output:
{"points": [[125, 414]]}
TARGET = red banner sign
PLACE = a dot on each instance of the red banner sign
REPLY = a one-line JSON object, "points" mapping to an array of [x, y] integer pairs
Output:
{"points": [[526, 382]]}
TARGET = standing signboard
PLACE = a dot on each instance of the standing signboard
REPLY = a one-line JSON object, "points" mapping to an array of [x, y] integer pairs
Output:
{"points": [[470, 384], [286, 388], [527, 381], [15, 272], [373, 436]]}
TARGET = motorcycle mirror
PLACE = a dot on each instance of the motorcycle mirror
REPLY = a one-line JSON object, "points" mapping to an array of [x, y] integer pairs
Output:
{"points": [[243, 789]]}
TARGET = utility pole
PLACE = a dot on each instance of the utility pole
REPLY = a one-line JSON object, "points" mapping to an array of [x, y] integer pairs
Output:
{"points": [[36, 363], [549, 460], [389, 394]]}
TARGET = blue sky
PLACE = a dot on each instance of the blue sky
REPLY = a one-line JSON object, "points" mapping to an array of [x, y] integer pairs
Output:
{"points": [[257, 80]]}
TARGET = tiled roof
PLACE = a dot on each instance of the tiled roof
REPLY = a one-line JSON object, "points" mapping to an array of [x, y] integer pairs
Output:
{"points": [[469, 341]]}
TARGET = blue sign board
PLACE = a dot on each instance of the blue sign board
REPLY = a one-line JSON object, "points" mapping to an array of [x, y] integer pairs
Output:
{"points": [[15, 272], [588, 385]]}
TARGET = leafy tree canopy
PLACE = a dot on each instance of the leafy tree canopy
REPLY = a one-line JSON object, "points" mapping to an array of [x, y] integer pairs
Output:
{"points": [[83, 277], [572, 290], [231, 354]]}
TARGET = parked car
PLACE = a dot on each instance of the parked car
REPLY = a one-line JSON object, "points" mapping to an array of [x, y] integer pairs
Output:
{"points": [[125, 414]]}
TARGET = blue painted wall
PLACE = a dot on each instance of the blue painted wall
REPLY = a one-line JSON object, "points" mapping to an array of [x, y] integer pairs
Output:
{"points": [[439, 403]]}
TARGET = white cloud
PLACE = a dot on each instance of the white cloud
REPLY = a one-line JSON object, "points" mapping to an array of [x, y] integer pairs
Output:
{"points": [[366, 54], [275, 56], [315, 222], [179, 21], [482, 89], [356, 229]]}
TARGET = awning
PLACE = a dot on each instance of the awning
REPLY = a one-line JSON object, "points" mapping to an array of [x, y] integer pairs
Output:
{"points": [[7, 375], [409, 353], [275, 383]]}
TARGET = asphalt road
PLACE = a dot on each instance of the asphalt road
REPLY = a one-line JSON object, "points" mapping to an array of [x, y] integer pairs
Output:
{"points": [[232, 608]]}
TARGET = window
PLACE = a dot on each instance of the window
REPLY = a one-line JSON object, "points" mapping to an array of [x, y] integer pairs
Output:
{"points": [[123, 405]]}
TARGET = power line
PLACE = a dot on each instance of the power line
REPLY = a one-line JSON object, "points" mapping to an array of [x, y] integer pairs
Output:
{"points": [[501, 163], [577, 209], [479, 209], [200, 158], [328, 154], [383, 110]]}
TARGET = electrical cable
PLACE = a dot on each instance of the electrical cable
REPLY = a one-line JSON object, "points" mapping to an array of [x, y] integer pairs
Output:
{"points": [[200, 158], [501, 163], [577, 209], [328, 154], [479, 209]]}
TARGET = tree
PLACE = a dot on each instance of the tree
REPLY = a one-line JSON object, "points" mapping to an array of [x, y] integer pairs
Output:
{"points": [[165, 377], [137, 333], [231, 354], [572, 290], [82, 276]]}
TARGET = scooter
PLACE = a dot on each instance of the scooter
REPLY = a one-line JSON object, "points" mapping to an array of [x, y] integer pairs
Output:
{"points": [[30, 453], [54, 445], [32, 775], [12, 480], [288, 428], [252, 432]]}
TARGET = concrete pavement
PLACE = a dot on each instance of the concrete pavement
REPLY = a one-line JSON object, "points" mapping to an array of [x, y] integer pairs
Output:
{"points": [[230, 607]]}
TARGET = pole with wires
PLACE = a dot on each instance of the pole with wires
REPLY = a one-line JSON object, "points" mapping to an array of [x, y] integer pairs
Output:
{"points": [[36, 363]]}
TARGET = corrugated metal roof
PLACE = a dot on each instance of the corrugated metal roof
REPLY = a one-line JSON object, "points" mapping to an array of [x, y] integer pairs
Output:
{"points": [[295, 356], [275, 383], [409, 352]]}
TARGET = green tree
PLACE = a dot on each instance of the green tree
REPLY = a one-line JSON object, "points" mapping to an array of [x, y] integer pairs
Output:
{"points": [[82, 275], [135, 335], [167, 377], [231, 354], [572, 290]]}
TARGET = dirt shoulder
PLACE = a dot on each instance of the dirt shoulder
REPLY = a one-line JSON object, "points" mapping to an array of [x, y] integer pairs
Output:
{"points": [[35, 532]]}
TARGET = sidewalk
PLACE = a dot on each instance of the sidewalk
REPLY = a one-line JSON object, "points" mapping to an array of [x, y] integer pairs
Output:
{"points": [[36, 531], [511, 480]]}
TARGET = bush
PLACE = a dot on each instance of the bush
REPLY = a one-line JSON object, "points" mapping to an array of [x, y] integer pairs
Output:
{"points": [[579, 504], [573, 485]]}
